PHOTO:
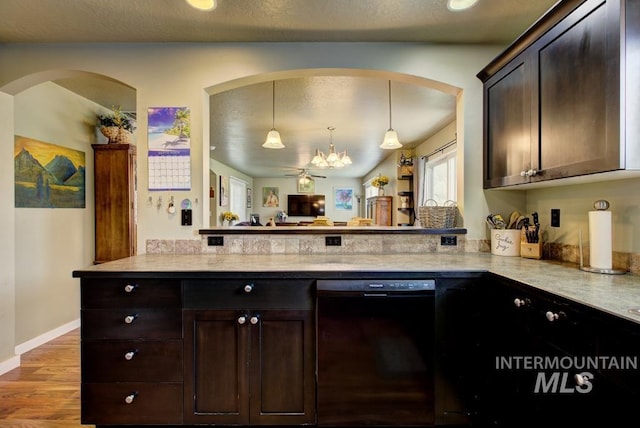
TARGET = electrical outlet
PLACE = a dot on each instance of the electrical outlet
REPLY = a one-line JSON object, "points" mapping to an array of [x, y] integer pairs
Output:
{"points": [[333, 241], [449, 240], [215, 241], [555, 217]]}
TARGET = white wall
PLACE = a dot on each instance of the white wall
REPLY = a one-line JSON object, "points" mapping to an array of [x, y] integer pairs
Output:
{"points": [[51, 243], [7, 237]]}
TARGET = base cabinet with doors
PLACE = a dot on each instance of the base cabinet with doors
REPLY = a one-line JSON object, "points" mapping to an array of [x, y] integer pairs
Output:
{"points": [[557, 103], [249, 352]]}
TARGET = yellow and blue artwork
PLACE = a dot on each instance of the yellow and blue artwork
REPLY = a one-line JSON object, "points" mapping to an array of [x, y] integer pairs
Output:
{"points": [[48, 175]]}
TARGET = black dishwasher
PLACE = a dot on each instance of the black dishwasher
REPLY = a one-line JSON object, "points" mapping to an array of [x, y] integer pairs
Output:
{"points": [[375, 352]]}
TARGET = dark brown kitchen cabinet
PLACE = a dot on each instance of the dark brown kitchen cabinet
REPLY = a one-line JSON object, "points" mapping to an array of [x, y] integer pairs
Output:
{"points": [[131, 351], [555, 102], [250, 357], [115, 201]]}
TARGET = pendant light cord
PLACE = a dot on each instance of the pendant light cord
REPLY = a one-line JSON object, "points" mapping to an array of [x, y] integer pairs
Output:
{"points": [[273, 105], [390, 127]]}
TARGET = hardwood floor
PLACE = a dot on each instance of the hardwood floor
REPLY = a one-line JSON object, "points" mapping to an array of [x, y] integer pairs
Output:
{"points": [[44, 392]]}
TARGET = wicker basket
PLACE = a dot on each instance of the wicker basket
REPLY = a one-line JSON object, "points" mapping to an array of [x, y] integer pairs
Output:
{"points": [[438, 217], [116, 135]]}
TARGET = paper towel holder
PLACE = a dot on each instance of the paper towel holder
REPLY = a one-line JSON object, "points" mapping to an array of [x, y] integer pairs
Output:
{"points": [[600, 205]]}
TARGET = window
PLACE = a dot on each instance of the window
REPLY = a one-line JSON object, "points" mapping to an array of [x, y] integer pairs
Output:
{"points": [[439, 180]]}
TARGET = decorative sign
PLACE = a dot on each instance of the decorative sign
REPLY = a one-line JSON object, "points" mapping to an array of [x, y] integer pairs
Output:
{"points": [[169, 136]]}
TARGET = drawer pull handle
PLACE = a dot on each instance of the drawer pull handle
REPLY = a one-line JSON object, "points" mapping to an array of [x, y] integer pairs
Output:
{"points": [[129, 288], [521, 302], [248, 288], [254, 320], [130, 318], [242, 319], [129, 355], [129, 398], [551, 316]]}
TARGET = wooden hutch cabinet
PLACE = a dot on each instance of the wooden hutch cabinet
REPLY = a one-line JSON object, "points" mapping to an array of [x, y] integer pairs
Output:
{"points": [[115, 201], [379, 209]]}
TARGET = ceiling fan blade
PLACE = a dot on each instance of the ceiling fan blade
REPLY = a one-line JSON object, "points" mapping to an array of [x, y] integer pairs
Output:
{"points": [[317, 176]]}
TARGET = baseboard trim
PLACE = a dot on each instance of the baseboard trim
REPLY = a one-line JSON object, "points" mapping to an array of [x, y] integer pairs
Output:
{"points": [[10, 364], [45, 337]]}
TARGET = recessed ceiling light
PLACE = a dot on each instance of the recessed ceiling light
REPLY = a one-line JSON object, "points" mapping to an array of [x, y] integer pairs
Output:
{"points": [[203, 4], [456, 5]]}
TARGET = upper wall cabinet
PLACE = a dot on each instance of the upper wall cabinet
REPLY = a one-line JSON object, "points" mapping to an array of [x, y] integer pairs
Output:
{"points": [[560, 102]]}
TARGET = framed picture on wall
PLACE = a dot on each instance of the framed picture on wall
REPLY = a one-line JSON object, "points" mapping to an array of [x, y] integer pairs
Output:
{"points": [[249, 192], [270, 197], [343, 198], [306, 186]]}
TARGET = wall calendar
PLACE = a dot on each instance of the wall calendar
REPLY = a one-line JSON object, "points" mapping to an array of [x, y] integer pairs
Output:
{"points": [[169, 137]]}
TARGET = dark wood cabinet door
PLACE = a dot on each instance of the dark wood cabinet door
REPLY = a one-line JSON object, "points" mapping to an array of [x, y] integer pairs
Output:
{"points": [[508, 133], [578, 90], [282, 386], [114, 182], [216, 373]]}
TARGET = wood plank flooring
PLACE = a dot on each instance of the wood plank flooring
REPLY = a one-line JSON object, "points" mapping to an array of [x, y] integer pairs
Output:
{"points": [[44, 392]]}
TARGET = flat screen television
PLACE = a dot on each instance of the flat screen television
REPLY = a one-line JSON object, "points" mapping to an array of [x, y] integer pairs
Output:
{"points": [[305, 205]]}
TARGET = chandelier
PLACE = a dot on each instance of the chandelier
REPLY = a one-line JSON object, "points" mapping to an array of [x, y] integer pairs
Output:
{"points": [[333, 159]]}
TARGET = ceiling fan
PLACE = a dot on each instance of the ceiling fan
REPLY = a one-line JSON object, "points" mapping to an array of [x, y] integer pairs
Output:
{"points": [[304, 173]]}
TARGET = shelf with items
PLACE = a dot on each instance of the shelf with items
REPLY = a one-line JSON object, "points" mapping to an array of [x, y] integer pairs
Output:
{"points": [[404, 175]]}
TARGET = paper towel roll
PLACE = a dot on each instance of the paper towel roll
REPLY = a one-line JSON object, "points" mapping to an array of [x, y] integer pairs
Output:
{"points": [[600, 251]]}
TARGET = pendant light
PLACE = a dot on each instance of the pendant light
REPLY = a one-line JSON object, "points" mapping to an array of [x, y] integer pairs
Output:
{"points": [[273, 140], [390, 137]]}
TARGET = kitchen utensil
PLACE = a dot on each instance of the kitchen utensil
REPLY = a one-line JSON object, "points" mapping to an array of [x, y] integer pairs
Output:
{"points": [[520, 222], [499, 221], [513, 219]]}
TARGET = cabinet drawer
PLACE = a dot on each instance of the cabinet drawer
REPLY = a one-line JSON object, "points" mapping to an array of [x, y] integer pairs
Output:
{"points": [[260, 294], [146, 324], [132, 293], [152, 403], [132, 361]]}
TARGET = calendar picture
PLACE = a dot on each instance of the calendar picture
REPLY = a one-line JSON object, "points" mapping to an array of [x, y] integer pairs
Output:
{"points": [[169, 136]]}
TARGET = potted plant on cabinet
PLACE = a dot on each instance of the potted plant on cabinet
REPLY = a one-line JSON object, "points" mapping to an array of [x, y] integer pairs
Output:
{"points": [[116, 126]]}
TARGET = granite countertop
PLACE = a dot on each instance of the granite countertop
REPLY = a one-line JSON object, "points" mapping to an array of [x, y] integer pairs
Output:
{"points": [[614, 294]]}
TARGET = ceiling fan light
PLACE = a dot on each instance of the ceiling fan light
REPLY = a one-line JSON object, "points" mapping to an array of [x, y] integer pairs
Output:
{"points": [[273, 140], [390, 140], [203, 4]]}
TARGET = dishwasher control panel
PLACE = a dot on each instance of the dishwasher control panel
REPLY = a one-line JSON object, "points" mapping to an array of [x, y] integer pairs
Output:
{"points": [[387, 285]]}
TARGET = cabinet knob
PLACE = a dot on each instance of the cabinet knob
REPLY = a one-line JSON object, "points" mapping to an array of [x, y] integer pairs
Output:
{"points": [[129, 355], [521, 302], [532, 173], [248, 288], [551, 316], [254, 320], [581, 379], [523, 173], [130, 318], [242, 319], [129, 288], [129, 398]]}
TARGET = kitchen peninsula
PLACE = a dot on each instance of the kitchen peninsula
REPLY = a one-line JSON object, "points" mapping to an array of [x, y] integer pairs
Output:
{"points": [[156, 331]]}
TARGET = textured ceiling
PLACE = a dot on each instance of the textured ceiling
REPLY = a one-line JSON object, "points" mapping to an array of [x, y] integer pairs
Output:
{"points": [[356, 106]]}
